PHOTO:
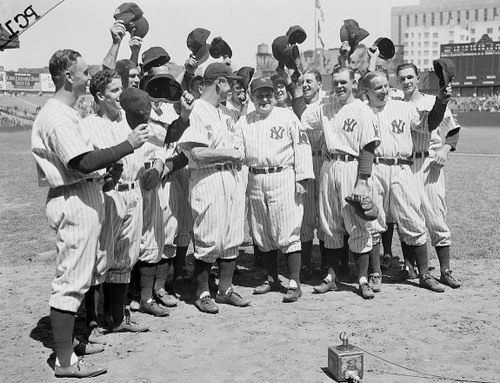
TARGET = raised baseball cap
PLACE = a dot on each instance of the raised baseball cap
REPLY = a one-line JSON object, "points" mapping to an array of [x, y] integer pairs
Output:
{"points": [[262, 82], [220, 48], [132, 17], [163, 87], [352, 33], [215, 70], [154, 57], [137, 106], [197, 43]]}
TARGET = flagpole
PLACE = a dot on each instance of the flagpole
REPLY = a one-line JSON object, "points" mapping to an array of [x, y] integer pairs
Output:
{"points": [[315, 32]]}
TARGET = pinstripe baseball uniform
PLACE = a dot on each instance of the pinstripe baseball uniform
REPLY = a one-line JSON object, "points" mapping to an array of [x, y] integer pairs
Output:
{"points": [[121, 231], [397, 193], [173, 195], [346, 135], [216, 190], [430, 178], [75, 206], [278, 154]]}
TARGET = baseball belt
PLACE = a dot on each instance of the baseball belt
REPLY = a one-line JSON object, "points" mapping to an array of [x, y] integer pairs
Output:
{"points": [[271, 169], [317, 153], [148, 165], [126, 186], [423, 154], [392, 161], [228, 166], [94, 180], [339, 157]]}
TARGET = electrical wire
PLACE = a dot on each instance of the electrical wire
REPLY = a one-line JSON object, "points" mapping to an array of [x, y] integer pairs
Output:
{"points": [[425, 373]]}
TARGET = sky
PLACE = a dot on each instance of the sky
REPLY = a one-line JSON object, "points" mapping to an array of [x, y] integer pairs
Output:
{"points": [[83, 25]]}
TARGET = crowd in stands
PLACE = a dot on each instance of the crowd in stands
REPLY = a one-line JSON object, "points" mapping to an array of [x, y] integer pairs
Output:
{"points": [[490, 103]]}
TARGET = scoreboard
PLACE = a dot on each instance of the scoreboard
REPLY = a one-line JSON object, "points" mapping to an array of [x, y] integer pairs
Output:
{"points": [[477, 64]]}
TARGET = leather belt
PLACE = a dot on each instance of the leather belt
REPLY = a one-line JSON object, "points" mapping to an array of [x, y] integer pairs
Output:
{"points": [[228, 166], [392, 161], [423, 154], [339, 157], [317, 153], [148, 164], [271, 169], [126, 186], [94, 180]]}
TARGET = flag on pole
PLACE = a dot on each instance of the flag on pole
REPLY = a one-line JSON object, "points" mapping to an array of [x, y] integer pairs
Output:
{"points": [[321, 14], [319, 35]]}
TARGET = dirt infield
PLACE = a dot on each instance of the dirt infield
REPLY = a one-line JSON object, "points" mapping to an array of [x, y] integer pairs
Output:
{"points": [[454, 334]]}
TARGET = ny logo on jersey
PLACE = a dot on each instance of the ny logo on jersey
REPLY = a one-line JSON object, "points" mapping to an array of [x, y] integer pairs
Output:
{"points": [[277, 132], [398, 126], [349, 125]]}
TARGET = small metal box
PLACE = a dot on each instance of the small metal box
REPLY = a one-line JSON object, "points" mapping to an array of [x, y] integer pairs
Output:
{"points": [[345, 362]]}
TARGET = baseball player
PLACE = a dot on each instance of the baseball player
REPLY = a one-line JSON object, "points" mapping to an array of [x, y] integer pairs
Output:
{"points": [[122, 228], [397, 193], [278, 154], [351, 138], [67, 164], [281, 96], [430, 152], [216, 189]]}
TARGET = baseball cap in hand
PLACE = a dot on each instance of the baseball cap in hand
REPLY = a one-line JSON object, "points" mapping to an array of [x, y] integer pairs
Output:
{"points": [[154, 57], [352, 33], [445, 70], [262, 82], [163, 87], [296, 35], [385, 47], [122, 67], [246, 74], [137, 106], [133, 18], [215, 70], [219, 48], [197, 43]]}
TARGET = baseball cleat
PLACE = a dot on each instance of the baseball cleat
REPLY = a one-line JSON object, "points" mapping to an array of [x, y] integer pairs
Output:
{"points": [[206, 305], [153, 308], [232, 298], [87, 349], [386, 262], [448, 280], [325, 286], [79, 369], [166, 299], [128, 325], [375, 282], [266, 287], [96, 335], [292, 295], [428, 282], [366, 291]]}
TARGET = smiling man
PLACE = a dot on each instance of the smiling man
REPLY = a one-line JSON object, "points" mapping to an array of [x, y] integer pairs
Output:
{"points": [[278, 154]]}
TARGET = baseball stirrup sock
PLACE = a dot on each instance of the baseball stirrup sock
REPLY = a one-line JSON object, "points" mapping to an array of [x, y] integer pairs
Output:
{"points": [[332, 261], [148, 272], [293, 262], [362, 261], [118, 293], [344, 255], [201, 273], [387, 239], [91, 298], [270, 260], [226, 269], [63, 324], [421, 258], [306, 253], [161, 274], [374, 267], [443, 253]]}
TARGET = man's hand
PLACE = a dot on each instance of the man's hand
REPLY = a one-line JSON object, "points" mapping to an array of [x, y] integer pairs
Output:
{"points": [[285, 75], [301, 187], [344, 49], [373, 52], [135, 44], [360, 189], [191, 65], [441, 156], [139, 136], [117, 31], [187, 101], [444, 94], [150, 179]]}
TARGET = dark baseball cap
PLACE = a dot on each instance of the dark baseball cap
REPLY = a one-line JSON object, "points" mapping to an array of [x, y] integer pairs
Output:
{"points": [[215, 70], [132, 17], [137, 106], [220, 48], [163, 87], [154, 57], [197, 43], [445, 70], [262, 82]]}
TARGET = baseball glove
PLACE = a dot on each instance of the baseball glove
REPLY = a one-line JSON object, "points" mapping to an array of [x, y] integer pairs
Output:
{"points": [[112, 177], [363, 207]]}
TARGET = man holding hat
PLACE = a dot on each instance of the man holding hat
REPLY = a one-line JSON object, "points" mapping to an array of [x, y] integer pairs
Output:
{"points": [[216, 189], [277, 151]]}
